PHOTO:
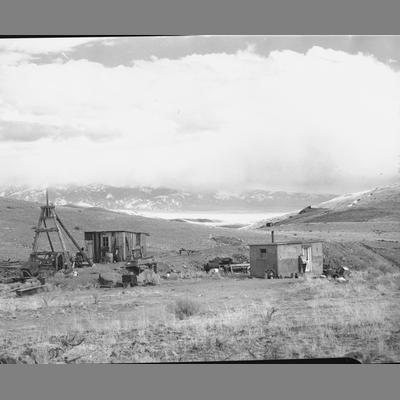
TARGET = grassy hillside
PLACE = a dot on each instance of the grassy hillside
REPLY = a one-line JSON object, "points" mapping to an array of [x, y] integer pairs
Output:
{"points": [[18, 218], [383, 198], [360, 214], [380, 204]]}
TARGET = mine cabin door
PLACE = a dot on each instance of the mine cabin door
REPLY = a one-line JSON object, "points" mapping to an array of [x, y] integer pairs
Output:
{"points": [[260, 268], [89, 248], [261, 262], [306, 250]]}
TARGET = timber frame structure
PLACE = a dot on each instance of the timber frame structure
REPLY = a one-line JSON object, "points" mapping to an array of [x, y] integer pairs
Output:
{"points": [[52, 260]]}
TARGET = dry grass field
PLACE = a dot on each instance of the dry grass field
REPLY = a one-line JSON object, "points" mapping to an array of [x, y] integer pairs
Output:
{"points": [[208, 319], [195, 317]]}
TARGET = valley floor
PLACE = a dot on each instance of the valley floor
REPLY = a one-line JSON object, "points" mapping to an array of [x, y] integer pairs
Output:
{"points": [[233, 319]]}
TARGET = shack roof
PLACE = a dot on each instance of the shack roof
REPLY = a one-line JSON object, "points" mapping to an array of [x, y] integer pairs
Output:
{"points": [[116, 231], [285, 243]]}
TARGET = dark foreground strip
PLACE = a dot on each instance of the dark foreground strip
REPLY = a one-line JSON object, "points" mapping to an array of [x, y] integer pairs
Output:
{"points": [[342, 360]]}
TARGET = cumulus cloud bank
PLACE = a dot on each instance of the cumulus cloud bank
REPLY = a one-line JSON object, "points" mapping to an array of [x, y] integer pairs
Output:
{"points": [[323, 121]]}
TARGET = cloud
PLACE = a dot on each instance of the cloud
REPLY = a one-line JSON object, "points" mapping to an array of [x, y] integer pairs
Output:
{"points": [[323, 120], [16, 51], [20, 132], [46, 45], [31, 132]]}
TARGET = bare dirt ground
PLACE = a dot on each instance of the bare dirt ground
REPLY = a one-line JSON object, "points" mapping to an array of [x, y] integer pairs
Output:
{"points": [[235, 319]]}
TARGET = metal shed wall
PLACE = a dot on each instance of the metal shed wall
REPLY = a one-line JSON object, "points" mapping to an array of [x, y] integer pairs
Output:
{"points": [[288, 259], [260, 262], [283, 258]]}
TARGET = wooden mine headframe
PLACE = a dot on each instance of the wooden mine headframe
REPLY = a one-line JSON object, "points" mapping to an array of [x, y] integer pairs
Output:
{"points": [[57, 259]]}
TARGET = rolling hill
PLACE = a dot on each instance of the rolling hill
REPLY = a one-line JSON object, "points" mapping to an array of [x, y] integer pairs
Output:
{"points": [[376, 205], [18, 219]]}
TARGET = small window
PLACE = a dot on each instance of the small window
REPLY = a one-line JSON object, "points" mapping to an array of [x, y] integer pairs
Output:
{"points": [[105, 241], [263, 253]]}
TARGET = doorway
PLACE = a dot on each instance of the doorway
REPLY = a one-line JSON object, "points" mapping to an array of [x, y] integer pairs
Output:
{"points": [[307, 254]]}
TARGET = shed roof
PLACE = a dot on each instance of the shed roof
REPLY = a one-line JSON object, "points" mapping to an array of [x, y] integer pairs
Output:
{"points": [[285, 243], [116, 230]]}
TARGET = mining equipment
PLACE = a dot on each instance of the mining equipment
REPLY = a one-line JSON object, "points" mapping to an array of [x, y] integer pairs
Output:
{"points": [[52, 260]]}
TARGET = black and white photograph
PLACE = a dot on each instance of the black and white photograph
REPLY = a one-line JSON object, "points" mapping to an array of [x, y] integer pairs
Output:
{"points": [[206, 198]]}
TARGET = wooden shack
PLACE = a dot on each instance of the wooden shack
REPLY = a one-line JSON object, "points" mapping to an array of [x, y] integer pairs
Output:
{"points": [[115, 245], [282, 259]]}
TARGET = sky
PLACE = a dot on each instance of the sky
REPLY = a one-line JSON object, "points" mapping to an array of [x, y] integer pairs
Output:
{"points": [[232, 113]]}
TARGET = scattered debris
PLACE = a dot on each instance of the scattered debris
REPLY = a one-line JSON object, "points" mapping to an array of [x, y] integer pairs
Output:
{"points": [[214, 271], [149, 277], [187, 251], [243, 268], [129, 280], [334, 270], [109, 279], [24, 287], [146, 275], [226, 240], [218, 263], [27, 291], [270, 274], [240, 258]]}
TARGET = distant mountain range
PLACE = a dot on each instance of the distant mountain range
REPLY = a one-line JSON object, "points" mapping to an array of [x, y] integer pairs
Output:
{"points": [[140, 199]]}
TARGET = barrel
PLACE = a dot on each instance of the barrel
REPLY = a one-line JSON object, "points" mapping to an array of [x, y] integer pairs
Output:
{"points": [[109, 257]]}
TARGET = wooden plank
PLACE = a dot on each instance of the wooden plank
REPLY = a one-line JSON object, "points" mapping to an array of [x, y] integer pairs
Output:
{"points": [[48, 236], [36, 238], [73, 241], [123, 247], [68, 234], [240, 265], [47, 230], [29, 290], [60, 237]]}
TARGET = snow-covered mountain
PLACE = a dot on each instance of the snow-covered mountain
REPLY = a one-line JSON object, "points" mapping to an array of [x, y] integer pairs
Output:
{"points": [[138, 199]]}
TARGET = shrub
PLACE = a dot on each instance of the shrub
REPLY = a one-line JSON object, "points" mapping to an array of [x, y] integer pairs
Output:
{"points": [[95, 298], [185, 308], [149, 277], [385, 269]]}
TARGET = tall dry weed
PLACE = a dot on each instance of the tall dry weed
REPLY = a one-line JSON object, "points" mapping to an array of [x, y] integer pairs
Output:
{"points": [[185, 308]]}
